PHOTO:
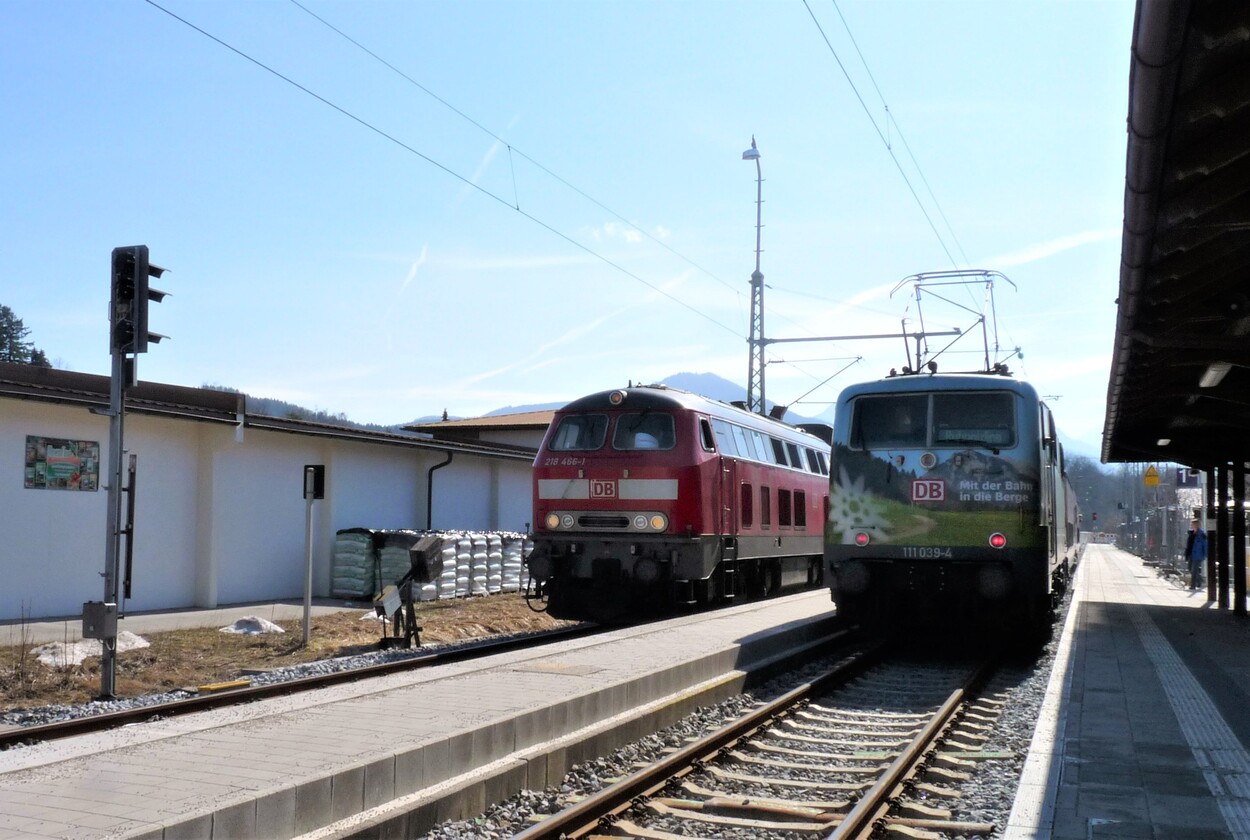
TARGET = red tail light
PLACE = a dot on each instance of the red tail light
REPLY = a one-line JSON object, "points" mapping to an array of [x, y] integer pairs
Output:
{"points": [[998, 541], [862, 538]]}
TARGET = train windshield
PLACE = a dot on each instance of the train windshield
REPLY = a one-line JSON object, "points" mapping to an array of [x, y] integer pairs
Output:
{"points": [[893, 422], [984, 419], [644, 430], [579, 432], [974, 419]]}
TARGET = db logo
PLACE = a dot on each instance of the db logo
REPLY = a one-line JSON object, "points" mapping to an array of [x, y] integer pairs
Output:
{"points": [[602, 488], [928, 490]]}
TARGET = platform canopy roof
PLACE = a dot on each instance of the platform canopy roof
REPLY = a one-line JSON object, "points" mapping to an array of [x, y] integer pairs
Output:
{"points": [[1179, 388]]}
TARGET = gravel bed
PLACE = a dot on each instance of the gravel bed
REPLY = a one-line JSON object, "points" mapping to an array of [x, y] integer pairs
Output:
{"points": [[987, 797], [58, 713]]}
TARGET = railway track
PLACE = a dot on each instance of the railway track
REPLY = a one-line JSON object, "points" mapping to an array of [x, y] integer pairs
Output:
{"points": [[874, 745], [245, 694]]}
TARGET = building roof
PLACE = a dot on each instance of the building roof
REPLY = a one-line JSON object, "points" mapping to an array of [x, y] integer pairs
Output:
{"points": [[207, 405], [522, 421], [1184, 304]]}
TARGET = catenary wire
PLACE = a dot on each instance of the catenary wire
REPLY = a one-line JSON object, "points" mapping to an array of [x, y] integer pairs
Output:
{"points": [[512, 149], [365, 124], [890, 115], [911, 188]]}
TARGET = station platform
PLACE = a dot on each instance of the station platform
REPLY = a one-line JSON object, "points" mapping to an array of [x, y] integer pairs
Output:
{"points": [[396, 755], [1146, 728]]}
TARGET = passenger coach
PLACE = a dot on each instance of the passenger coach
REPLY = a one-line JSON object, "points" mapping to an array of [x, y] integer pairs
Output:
{"points": [[647, 498]]}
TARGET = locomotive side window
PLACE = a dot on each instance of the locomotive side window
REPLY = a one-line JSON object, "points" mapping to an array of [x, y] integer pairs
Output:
{"points": [[763, 452], [741, 439], [766, 509], [779, 451], [705, 435], [746, 509], [784, 512], [644, 430], [724, 438], [889, 422], [800, 509], [579, 432], [796, 460], [974, 419]]}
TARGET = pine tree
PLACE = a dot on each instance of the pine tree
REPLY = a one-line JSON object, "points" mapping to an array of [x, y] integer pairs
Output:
{"points": [[13, 344]]}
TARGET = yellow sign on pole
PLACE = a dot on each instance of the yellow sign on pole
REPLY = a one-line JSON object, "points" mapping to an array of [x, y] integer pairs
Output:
{"points": [[1151, 478]]}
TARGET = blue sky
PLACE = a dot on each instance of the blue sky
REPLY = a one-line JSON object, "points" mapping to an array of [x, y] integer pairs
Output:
{"points": [[481, 204]]}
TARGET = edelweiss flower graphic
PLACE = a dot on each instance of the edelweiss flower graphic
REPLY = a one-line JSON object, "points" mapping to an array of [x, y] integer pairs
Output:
{"points": [[852, 509]]}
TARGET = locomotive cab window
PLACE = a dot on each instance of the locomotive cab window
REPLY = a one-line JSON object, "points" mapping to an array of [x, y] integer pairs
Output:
{"points": [[705, 435], [644, 430], [579, 432], [974, 419], [890, 422]]}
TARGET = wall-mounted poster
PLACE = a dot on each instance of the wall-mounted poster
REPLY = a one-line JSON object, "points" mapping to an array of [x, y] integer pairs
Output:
{"points": [[56, 464]]}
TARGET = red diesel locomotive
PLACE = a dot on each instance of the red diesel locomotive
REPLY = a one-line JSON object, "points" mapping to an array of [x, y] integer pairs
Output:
{"points": [[650, 498]]}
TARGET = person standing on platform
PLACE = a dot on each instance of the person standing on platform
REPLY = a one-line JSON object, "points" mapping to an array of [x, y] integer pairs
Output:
{"points": [[1196, 553]]}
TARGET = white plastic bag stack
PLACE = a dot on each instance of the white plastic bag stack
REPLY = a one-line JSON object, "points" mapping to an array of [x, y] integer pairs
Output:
{"points": [[464, 559], [480, 561], [447, 582], [512, 547], [527, 548], [494, 563]]}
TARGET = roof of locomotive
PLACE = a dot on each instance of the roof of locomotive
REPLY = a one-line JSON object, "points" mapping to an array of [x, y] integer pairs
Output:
{"points": [[925, 381], [661, 397]]}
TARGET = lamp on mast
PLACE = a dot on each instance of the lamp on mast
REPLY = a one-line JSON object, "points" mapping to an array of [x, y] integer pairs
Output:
{"points": [[755, 371]]}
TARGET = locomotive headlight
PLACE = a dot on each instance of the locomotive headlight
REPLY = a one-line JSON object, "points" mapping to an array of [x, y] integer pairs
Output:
{"points": [[998, 541], [567, 520], [640, 522], [553, 521], [659, 521]]}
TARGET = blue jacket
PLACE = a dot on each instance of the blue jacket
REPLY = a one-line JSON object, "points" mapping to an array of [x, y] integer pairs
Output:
{"points": [[1197, 548]]}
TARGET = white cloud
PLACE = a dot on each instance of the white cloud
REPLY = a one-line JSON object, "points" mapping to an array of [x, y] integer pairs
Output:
{"points": [[616, 231], [1042, 250], [412, 272]]}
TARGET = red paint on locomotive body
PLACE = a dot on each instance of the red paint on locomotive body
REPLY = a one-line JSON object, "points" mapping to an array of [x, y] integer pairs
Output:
{"points": [[646, 498]]}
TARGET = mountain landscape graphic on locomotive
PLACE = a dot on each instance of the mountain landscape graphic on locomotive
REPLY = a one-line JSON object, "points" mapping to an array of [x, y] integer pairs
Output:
{"points": [[650, 498], [948, 499]]}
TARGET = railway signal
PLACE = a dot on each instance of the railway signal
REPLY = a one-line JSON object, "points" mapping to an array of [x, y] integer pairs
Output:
{"points": [[128, 311], [128, 336]]}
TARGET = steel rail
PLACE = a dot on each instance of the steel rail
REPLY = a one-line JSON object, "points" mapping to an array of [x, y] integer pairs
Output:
{"points": [[581, 819], [862, 821], [110, 720]]}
